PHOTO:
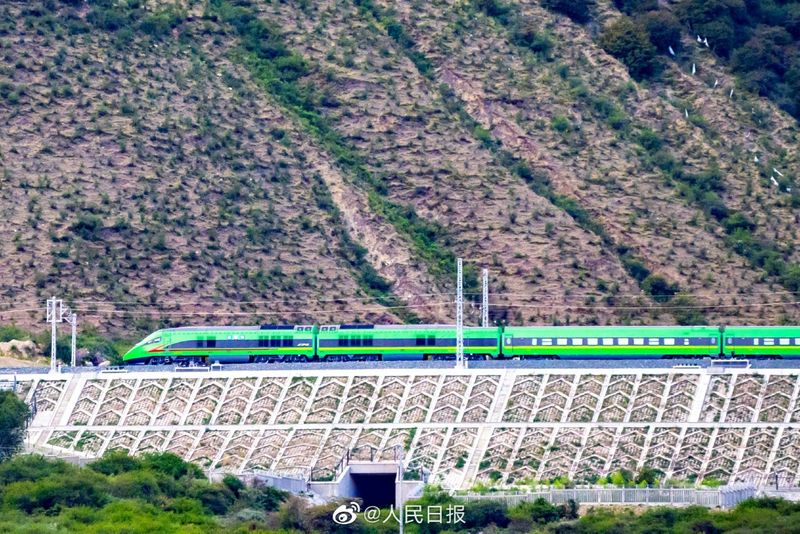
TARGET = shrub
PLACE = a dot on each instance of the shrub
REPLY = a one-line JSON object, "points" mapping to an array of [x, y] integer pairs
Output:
{"points": [[578, 10], [630, 43], [631, 7], [524, 34], [9, 332], [13, 418], [664, 29], [115, 463], [658, 288]]}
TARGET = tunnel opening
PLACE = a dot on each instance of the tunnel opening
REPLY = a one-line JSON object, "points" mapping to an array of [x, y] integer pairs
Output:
{"points": [[375, 489]]}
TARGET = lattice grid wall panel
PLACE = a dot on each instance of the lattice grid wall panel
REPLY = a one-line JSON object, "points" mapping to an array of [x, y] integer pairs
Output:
{"points": [[300, 451], [355, 409], [661, 452], [719, 390], [233, 456], [428, 447], [531, 449], [87, 401], [649, 396], [679, 399], [724, 452], [205, 402], [693, 450], [294, 404], [587, 395], [153, 441], [555, 398], [630, 447], [370, 443], [176, 401], [233, 407], [753, 467], [744, 399], [498, 451], [618, 397], [48, 393], [390, 397], [327, 400], [267, 449], [777, 399], [264, 401], [456, 453], [594, 455], [786, 466], [480, 399], [333, 451], [522, 399], [420, 399], [144, 402], [562, 453]]}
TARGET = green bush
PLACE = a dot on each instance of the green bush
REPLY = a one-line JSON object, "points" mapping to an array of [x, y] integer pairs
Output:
{"points": [[578, 10], [14, 416], [663, 28], [632, 7], [631, 44], [9, 332], [658, 288]]}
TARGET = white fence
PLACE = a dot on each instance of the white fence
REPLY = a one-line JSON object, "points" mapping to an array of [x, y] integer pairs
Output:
{"points": [[722, 497]]}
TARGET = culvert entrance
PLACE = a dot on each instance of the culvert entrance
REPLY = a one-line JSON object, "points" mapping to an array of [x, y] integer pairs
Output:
{"points": [[375, 489]]}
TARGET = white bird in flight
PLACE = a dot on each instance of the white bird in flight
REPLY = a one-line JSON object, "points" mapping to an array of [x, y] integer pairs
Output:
{"points": [[755, 158], [777, 171], [671, 51], [774, 181], [694, 69], [686, 112], [731, 95], [699, 40], [716, 82], [705, 42]]}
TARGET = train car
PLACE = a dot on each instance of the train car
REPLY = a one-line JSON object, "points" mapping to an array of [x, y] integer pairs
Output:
{"points": [[404, 342], [762, 342], [611, 342], [225, 344]]}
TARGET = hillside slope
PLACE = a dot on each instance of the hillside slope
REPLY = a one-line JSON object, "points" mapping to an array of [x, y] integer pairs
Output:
{"points": [[244, 161]]}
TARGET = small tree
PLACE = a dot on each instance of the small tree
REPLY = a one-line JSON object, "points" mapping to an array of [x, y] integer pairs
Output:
{"points": [[14, 415], [630, 43], [577, 10]]}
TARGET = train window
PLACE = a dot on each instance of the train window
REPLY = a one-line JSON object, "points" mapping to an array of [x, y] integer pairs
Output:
{"points": [[263, 342], [368, 341], [638, 341], [769, 341], [653, 341], [577, 341], [591, 341], [199, 343], [534, 342], [431, 341], [755, 341], [669, 341], [785, 341], [420, 341], [561, 341], [547, 341], [622, 341], [608, 341], [508, 341], [211, 342]]}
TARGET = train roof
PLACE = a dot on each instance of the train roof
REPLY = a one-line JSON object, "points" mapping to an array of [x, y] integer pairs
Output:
{"points": [[236, 328]]}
